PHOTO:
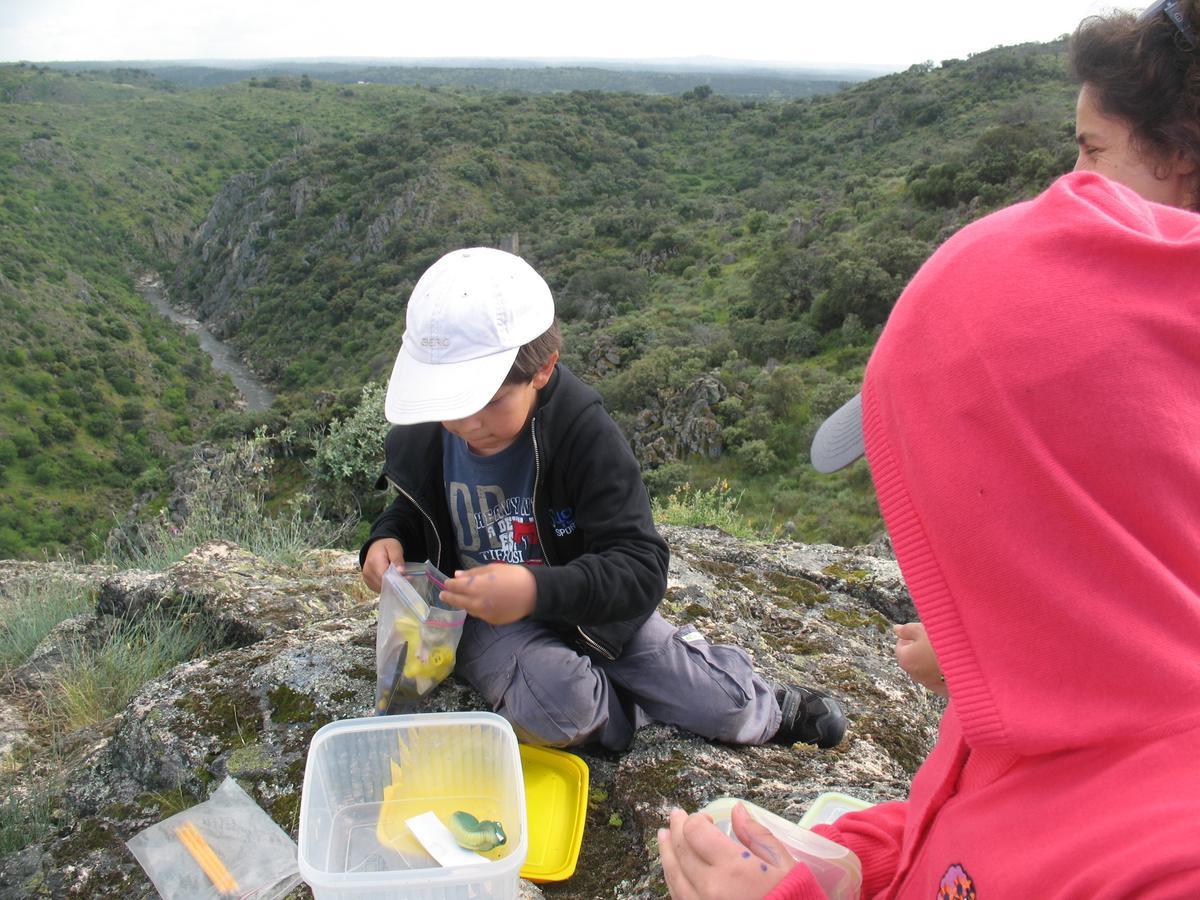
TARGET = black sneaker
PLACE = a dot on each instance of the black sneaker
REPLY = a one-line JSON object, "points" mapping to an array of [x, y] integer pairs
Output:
{"points": [[810, 716]]}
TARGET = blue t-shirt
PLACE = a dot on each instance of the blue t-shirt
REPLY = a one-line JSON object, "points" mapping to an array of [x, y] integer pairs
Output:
{"points": [[491, 502]]}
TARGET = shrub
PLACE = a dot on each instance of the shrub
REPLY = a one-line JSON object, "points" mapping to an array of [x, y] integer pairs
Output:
{"points": [[666, 479], [756, 457], [714, 507], [351, 450]]}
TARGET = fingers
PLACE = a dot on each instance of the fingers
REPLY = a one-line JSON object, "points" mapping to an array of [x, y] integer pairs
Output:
{"points": [[916, 657], [463, 591], [372, 579], [381, 554], [679, 864], [673, 875], [700, 862], [758, 839], [498, 593]]}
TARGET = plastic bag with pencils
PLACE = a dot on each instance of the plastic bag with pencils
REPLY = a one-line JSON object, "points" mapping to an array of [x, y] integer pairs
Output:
{"points": [[222, 848]]}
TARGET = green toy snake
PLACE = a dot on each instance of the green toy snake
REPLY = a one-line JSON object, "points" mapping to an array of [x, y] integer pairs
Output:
{"points": [[475, 835]]}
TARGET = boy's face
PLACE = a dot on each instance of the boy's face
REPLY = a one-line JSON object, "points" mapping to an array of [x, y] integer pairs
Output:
{"points": [[498, 424]]}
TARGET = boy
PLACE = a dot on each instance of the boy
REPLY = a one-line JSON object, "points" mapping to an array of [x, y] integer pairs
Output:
{"points": [[512, 476], [1031, 417]]}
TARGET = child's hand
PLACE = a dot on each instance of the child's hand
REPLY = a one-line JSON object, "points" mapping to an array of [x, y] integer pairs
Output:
{"points": [[498, 593], [915, 655], [701, 863], [381, 554]]}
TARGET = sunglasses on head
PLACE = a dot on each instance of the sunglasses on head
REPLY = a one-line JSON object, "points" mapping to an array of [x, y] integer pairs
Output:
{"points": [[1173, 10]]}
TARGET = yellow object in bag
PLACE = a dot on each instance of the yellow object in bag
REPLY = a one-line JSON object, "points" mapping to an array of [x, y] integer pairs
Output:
{"points": [[416, 638]]}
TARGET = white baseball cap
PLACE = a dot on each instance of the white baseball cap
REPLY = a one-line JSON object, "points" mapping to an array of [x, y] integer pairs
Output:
{"points": [[467, 317], [839, 440]]}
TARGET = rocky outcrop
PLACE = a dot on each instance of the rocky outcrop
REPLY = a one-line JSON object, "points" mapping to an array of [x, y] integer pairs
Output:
{"points": [[412, 208], [297, 651], [224, 261], [679, 423]]}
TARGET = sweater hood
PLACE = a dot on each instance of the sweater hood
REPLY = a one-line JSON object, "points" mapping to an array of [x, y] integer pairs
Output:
{"points": [[1031, 416]]}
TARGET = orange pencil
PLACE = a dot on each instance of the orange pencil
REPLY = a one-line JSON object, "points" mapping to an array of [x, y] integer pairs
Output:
{"points": [[191, 838]]}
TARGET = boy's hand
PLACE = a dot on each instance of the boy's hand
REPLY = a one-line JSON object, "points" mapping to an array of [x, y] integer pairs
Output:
{"points": [[701, 863], [381, 554], [915, 655], [498, 593]]}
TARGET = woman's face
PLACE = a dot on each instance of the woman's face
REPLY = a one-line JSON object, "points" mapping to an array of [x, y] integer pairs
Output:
{"points": [[1106, 146]]}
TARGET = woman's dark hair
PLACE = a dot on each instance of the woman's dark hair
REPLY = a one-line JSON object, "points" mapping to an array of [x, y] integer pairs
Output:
{"points": [[1144, 73], [532, 356]]}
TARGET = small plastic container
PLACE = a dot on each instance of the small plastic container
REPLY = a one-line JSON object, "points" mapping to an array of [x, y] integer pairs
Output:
{"points": [[829, 807], [366, 777], [836, 868]]}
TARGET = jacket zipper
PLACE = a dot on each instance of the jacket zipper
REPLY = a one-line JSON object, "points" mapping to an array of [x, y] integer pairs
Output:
{"points": [[587, 640], [537, 478], [428, 518]]}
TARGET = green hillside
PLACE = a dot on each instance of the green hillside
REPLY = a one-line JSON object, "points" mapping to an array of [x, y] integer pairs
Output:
{"points": [[100, 181], [746, 249], [765, 242]]}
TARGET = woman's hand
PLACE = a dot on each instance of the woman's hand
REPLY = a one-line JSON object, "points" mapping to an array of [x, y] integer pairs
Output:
{"points": [[381, 554], [701, 863], [915, 655]]}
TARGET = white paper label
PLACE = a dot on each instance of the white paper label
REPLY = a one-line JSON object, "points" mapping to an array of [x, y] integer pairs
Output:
{"points": [[439, 842]]}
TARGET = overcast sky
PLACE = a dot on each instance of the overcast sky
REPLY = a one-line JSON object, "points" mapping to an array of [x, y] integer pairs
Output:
{"points": [[799, 32]]}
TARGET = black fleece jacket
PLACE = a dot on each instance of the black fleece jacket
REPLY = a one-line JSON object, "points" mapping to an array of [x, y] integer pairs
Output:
{"points": [[606, 564]]}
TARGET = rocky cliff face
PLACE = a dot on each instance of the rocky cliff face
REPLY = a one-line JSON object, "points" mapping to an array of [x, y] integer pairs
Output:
{"points": [[298, 652], [224, 259]]}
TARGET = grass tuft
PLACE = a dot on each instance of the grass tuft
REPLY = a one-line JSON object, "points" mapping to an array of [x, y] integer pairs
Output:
{"points": [[715, 506], [30, 608], [99, 682]]}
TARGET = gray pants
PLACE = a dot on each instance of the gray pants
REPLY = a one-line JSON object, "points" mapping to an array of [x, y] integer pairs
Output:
{"points": [[555, 696]]}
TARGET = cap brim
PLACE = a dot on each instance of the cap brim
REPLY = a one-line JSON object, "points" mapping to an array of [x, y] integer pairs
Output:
{"points": [[839, 440], [421, 392]]}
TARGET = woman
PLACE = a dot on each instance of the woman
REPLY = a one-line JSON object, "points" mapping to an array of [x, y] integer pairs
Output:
{"points": [[1137, 121]]}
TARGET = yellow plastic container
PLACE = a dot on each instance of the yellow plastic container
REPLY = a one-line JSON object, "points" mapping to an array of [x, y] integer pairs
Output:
{"points": [[556, 796]]}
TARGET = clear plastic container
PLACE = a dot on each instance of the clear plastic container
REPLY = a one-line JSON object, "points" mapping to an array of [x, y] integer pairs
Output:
{"points": [[829, 807], [365, 777], [835, 867]]}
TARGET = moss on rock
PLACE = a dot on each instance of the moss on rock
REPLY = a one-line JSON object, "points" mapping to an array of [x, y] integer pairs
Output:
{"points": [[289, 706]]}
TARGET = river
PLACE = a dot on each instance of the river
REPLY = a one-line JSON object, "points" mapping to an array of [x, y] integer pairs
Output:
{"points": [[224, 358]]}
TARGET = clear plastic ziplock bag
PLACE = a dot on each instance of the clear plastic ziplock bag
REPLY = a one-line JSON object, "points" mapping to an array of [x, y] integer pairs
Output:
{"points": [[417, 637], [222, 848]]}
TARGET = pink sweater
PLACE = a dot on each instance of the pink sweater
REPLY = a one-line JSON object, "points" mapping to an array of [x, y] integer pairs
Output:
{"points": [[1032, 422]]}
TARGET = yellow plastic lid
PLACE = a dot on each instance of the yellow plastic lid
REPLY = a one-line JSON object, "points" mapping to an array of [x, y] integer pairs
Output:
{"points": [[556, 797]]}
